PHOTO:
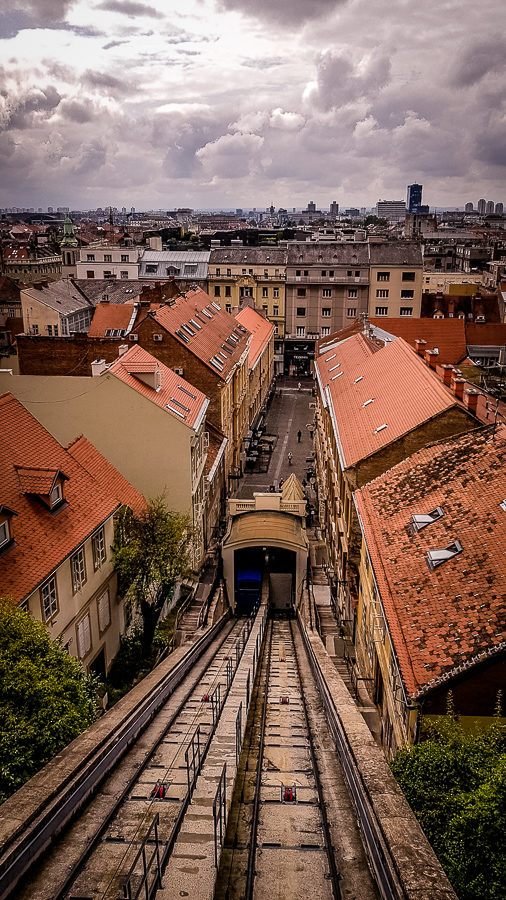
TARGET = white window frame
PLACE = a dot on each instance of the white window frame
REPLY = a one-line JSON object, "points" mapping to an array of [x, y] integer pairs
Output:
{"points": [[78, 568], [351, 312], [381, 311], [300, 331], [104, 603], [326, 292], [99, 548], [6, 539], [49, 592], [382, 293]]}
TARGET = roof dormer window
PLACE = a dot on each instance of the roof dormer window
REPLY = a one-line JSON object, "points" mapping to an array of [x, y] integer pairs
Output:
{"points": [[6, 537], [56, 495], [45, 485]]}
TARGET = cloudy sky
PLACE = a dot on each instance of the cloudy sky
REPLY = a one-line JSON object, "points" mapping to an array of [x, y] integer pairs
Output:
{"points": [[210, 103]]}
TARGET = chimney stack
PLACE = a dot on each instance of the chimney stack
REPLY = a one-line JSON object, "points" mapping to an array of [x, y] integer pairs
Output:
{"points": [[471, 399], [431, 357], [122, 349], [98, 366], [420, 346], [458, 387], [447, 374]]}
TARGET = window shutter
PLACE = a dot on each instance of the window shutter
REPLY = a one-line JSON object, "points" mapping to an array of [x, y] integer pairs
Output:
{"points": [[84, 636], [104, 611]]}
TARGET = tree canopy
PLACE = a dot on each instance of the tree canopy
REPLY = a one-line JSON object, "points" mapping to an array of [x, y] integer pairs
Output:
{"points": [[455, 781], [46, 699], [151, 552]]}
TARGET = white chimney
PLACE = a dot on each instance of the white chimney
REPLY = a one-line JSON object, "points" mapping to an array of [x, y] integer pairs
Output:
{"points": [[98, 366], [123, 348]]}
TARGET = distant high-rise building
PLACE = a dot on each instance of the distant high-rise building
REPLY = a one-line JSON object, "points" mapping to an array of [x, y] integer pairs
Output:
{"points": [[489, 209], [132, 210], [499, 209], [414, 197], [123, 210], [469, 207], [482, 205], [50, 209], [393, 210], [334, 209], [311, 207]]}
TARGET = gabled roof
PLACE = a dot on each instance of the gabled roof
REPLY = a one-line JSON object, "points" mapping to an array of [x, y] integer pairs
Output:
{"points": [[37, 480], [488, 334], [42, 539], [205, 329], [166, 389], [106, 474], [62, 296], [404, 392], [261, 330], [454, 615], [95, 289], [292, 490], [448, 335], [176, 259], [112, 317]]}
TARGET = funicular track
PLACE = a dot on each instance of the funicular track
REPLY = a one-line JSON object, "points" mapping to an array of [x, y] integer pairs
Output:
{"points": [[116, 843], [279, 841]]}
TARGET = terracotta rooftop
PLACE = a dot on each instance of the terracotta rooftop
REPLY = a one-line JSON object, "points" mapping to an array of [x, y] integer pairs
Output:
{"points": [[488, 334], [448, 335], [455, 614], [112, 319], [207, 330], [261, 330], [42, 539], [106, 474], [36, 480], [382, 394], [163, 386]]}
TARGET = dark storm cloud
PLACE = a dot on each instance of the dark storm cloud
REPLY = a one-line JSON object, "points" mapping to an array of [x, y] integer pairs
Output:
{"points": [[90, 159], [285, 12], [182, 136], [340, 81], [79, 111], [105, 82], [111, 44], [33, 14], [478, 59], [130, 8], [21, 110]]}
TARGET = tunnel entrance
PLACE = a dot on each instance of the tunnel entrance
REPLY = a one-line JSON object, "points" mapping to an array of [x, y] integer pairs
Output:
{"points": [[252, 566]]}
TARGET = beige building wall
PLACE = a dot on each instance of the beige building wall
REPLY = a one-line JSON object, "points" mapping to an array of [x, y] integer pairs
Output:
{"points": [[261, 286], [396, 289], [37, 316], [89, 620]]}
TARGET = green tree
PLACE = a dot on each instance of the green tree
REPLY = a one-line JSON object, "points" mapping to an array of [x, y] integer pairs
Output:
{"points": [[151, 552], [46, 699], [455, 781]]}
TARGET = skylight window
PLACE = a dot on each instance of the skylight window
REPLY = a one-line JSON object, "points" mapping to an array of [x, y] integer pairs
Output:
{"points": [[184, 337], [216, 363], [503, 505], [336, 366], [331, 357], [380, 428], [360, 378], [180, 405], [206, 313], [421, 521], [187, 392], [436, 558], [176, 412], [216, 305], [196, 325], [188, 329], [367, 402], [337, 376]]}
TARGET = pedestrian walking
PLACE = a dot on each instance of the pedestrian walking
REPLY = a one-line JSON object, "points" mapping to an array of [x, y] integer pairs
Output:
{"points": [[299, 436], [281, 483], [299, 386], [289, 457], [311, 433]]}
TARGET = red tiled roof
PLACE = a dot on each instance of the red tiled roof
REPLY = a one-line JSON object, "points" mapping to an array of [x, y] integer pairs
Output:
{"points": [[36, 480], [456, 614], [175, 395], [404, 391], [106, 474], [448, 335], [110, 316], [211, 339], [261, 330], [489, 334], [43, 539]]}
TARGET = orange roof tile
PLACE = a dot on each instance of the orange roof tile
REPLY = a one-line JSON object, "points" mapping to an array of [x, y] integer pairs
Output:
{"points": [[36, 481], [106, 474], [111, 317], [42, 539], [382, 394], [173, 394], [261, 330], [488, 334], [448, 335], [454, 615], [210, 332]]}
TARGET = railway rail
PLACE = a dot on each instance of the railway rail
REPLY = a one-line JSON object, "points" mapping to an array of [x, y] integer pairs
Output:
{"points": [[146, 772], [280, 840]]}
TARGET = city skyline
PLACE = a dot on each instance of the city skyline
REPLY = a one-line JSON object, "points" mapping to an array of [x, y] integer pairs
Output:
{"points": [[119, 101]]}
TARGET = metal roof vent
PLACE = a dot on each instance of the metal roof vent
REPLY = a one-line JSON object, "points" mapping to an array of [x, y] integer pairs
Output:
{"points": [[367, 402], [380, 428], [436, 558]]}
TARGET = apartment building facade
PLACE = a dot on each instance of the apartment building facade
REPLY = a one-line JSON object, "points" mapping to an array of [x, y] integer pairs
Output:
{"points": [[260, 361], [108, 262], [56, 534], [55, 309], [396, 280]]}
